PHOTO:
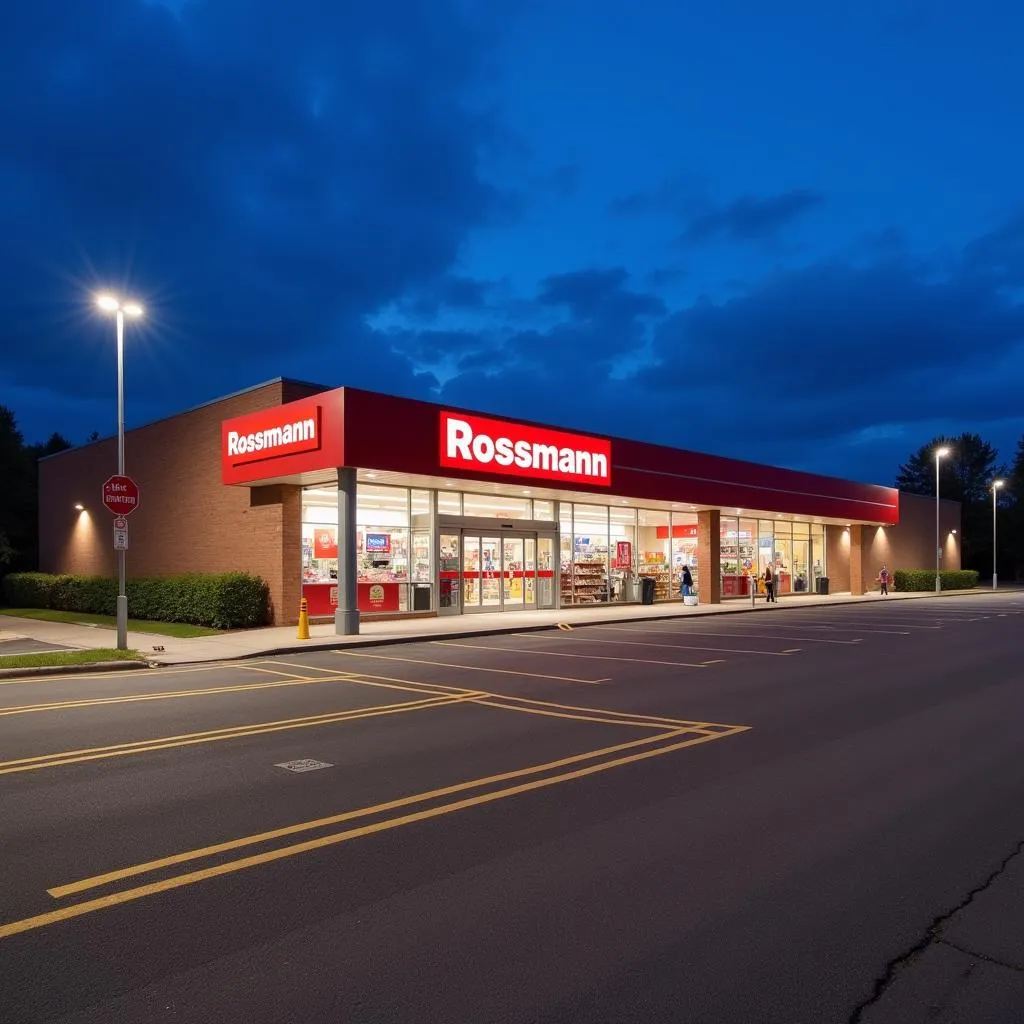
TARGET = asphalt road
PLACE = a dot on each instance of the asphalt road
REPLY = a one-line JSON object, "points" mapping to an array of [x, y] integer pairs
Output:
{"points": [[740, 818]]}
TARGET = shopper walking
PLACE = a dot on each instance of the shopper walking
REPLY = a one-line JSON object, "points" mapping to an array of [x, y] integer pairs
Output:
{"points": [[883, 579], [769, 584], [686, 584]]}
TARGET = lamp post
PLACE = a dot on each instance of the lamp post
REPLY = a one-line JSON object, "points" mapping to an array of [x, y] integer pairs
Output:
{"points": [[940, 453], [996, 484], [110, 304]]}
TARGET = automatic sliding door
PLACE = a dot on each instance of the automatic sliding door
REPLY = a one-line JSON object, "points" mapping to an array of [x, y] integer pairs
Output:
{"points": [[471, 573], [513, 573], [490, 566]]}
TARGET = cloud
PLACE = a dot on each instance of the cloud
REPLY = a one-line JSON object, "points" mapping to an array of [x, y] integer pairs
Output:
{"points": [[261, 183], [590, 294], [752, 219]]}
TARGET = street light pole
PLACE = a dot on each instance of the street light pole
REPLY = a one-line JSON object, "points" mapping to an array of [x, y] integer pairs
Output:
{"points": [[939, 453], [122, 595], [109, 304], [996, 484]]}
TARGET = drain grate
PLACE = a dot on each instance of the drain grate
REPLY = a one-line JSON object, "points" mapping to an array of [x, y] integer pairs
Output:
{"points": [[305, 764]]}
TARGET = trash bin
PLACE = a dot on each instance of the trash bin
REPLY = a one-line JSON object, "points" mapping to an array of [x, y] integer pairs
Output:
{"points": [[421, 597], [646, 590], [821, 585]]}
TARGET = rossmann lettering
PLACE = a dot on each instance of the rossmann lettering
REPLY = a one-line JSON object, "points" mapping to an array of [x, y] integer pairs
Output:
{"points": [[512, 449], [299, 435]]}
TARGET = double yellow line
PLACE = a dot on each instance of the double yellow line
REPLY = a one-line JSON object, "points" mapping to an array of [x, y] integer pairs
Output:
{"points": [[551, 773], [27, 764]]}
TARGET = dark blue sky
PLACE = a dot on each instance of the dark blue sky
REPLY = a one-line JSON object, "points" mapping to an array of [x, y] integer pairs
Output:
{"points": [[790, 232]]}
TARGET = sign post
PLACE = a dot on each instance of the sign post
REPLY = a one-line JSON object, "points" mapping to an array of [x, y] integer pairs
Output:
{"points": [[121, 496]]}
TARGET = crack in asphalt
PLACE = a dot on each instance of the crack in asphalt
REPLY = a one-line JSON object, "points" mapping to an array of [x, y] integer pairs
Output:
{"points": [[931, 935], [982, 956]]}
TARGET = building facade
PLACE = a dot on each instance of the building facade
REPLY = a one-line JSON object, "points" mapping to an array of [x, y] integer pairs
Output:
{"points": [[371, 505]]}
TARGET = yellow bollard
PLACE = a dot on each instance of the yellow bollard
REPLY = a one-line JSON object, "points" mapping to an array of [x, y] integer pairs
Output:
{"points": [[303, 633]]}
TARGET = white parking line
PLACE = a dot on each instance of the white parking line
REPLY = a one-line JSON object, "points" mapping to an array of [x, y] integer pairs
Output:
{"points": [[558, 654], [686, 631], [577, 639]]}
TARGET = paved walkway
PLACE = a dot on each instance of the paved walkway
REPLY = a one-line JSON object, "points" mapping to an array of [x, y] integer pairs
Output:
{"points": [[168, 650]]}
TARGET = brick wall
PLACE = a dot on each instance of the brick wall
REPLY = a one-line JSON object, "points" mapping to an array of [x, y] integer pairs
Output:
{"points": [[837, 558], [187, 520], [911, 545]]}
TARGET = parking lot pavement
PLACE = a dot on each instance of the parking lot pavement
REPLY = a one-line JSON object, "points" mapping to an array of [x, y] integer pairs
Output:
{"points": [[726, 813]]}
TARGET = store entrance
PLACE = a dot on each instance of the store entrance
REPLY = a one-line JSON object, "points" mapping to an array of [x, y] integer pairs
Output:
{"points": [[483, 572]]}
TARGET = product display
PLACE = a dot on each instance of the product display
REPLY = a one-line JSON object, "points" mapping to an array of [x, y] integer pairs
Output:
{"points": [[585, 583]]}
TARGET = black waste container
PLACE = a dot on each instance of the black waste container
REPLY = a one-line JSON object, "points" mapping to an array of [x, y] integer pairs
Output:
{"points": [[646, 590], [421, 597], [821, 585]]}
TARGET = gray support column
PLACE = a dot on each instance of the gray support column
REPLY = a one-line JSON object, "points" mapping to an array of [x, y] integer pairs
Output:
{"points": [[346, 616], [556, 561]]}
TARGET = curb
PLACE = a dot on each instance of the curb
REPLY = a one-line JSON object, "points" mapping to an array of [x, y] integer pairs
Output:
{"points": [[504, 630], [63, 670]]}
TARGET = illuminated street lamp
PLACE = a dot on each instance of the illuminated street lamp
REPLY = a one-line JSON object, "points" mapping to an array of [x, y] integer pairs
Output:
{"points": [[996, 484], [110, 304], [940, 453]]}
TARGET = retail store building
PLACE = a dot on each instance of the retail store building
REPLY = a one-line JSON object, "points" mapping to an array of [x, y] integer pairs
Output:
{"points": [[372, 505]]}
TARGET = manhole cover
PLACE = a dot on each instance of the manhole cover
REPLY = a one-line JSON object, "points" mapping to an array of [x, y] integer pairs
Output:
{"points": [[306, 764]]}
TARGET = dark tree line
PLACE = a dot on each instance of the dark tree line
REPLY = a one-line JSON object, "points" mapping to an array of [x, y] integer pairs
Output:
{"points": [[966, 475], [19, 493]]}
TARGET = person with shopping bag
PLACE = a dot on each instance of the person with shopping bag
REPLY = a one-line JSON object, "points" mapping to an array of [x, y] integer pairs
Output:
{"points": [[686, 583]]}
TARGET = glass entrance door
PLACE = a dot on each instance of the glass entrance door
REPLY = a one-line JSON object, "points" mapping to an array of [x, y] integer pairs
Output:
{"points": [[513, 572], [504, 573]]}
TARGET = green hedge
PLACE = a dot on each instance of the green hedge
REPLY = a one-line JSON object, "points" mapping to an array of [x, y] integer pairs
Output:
{"points": [[920, 580], [229, 600]]}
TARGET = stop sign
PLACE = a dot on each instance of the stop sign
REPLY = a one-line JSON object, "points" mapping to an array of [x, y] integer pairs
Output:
{"points": [[121, 495]]}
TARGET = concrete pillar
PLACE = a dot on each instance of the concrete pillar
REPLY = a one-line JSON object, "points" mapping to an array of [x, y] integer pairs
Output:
{"points": [[857, 559], [346, 615], [709, 556]]}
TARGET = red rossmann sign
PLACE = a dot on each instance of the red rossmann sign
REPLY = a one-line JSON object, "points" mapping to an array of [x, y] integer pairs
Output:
{"points": [[271, 434], [490, 446]]}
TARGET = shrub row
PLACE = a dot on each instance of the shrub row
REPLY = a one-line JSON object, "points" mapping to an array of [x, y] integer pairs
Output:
{"points": [[919, 580], [229, 600]]}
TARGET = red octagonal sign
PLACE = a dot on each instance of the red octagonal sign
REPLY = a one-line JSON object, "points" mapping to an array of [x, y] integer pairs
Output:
{"points": [[121, 495]]}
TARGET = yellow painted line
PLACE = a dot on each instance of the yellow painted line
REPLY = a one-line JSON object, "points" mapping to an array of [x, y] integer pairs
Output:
{"points": [[57, 760], [559, 654], [88, 702], [644, 643], [687, 631], [128, 895], [469, 668], [287, 664], [574, 717], [565, 626], [618, 715], [792, 650], [715, 661]]}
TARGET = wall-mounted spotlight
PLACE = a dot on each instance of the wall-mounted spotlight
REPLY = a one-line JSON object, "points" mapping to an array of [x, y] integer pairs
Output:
{"points": [[79, 507]]}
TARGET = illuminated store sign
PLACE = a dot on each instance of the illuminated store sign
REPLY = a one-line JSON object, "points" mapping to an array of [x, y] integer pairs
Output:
{"points": [[515, 449]]}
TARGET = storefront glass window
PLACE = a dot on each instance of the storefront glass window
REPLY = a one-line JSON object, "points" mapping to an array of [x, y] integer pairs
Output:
{"points": [[622, 552], [765, 545], [420, 503], [654, 550], [544, 510], [684, 549], [783, 567], [818, 567], [449, 503], [590, 554], [801, 558], [565, 550], [495, 506], [735, 580]]}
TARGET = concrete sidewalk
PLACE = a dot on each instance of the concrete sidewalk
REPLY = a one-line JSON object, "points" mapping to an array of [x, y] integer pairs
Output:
{"points": [[249, 643]]}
